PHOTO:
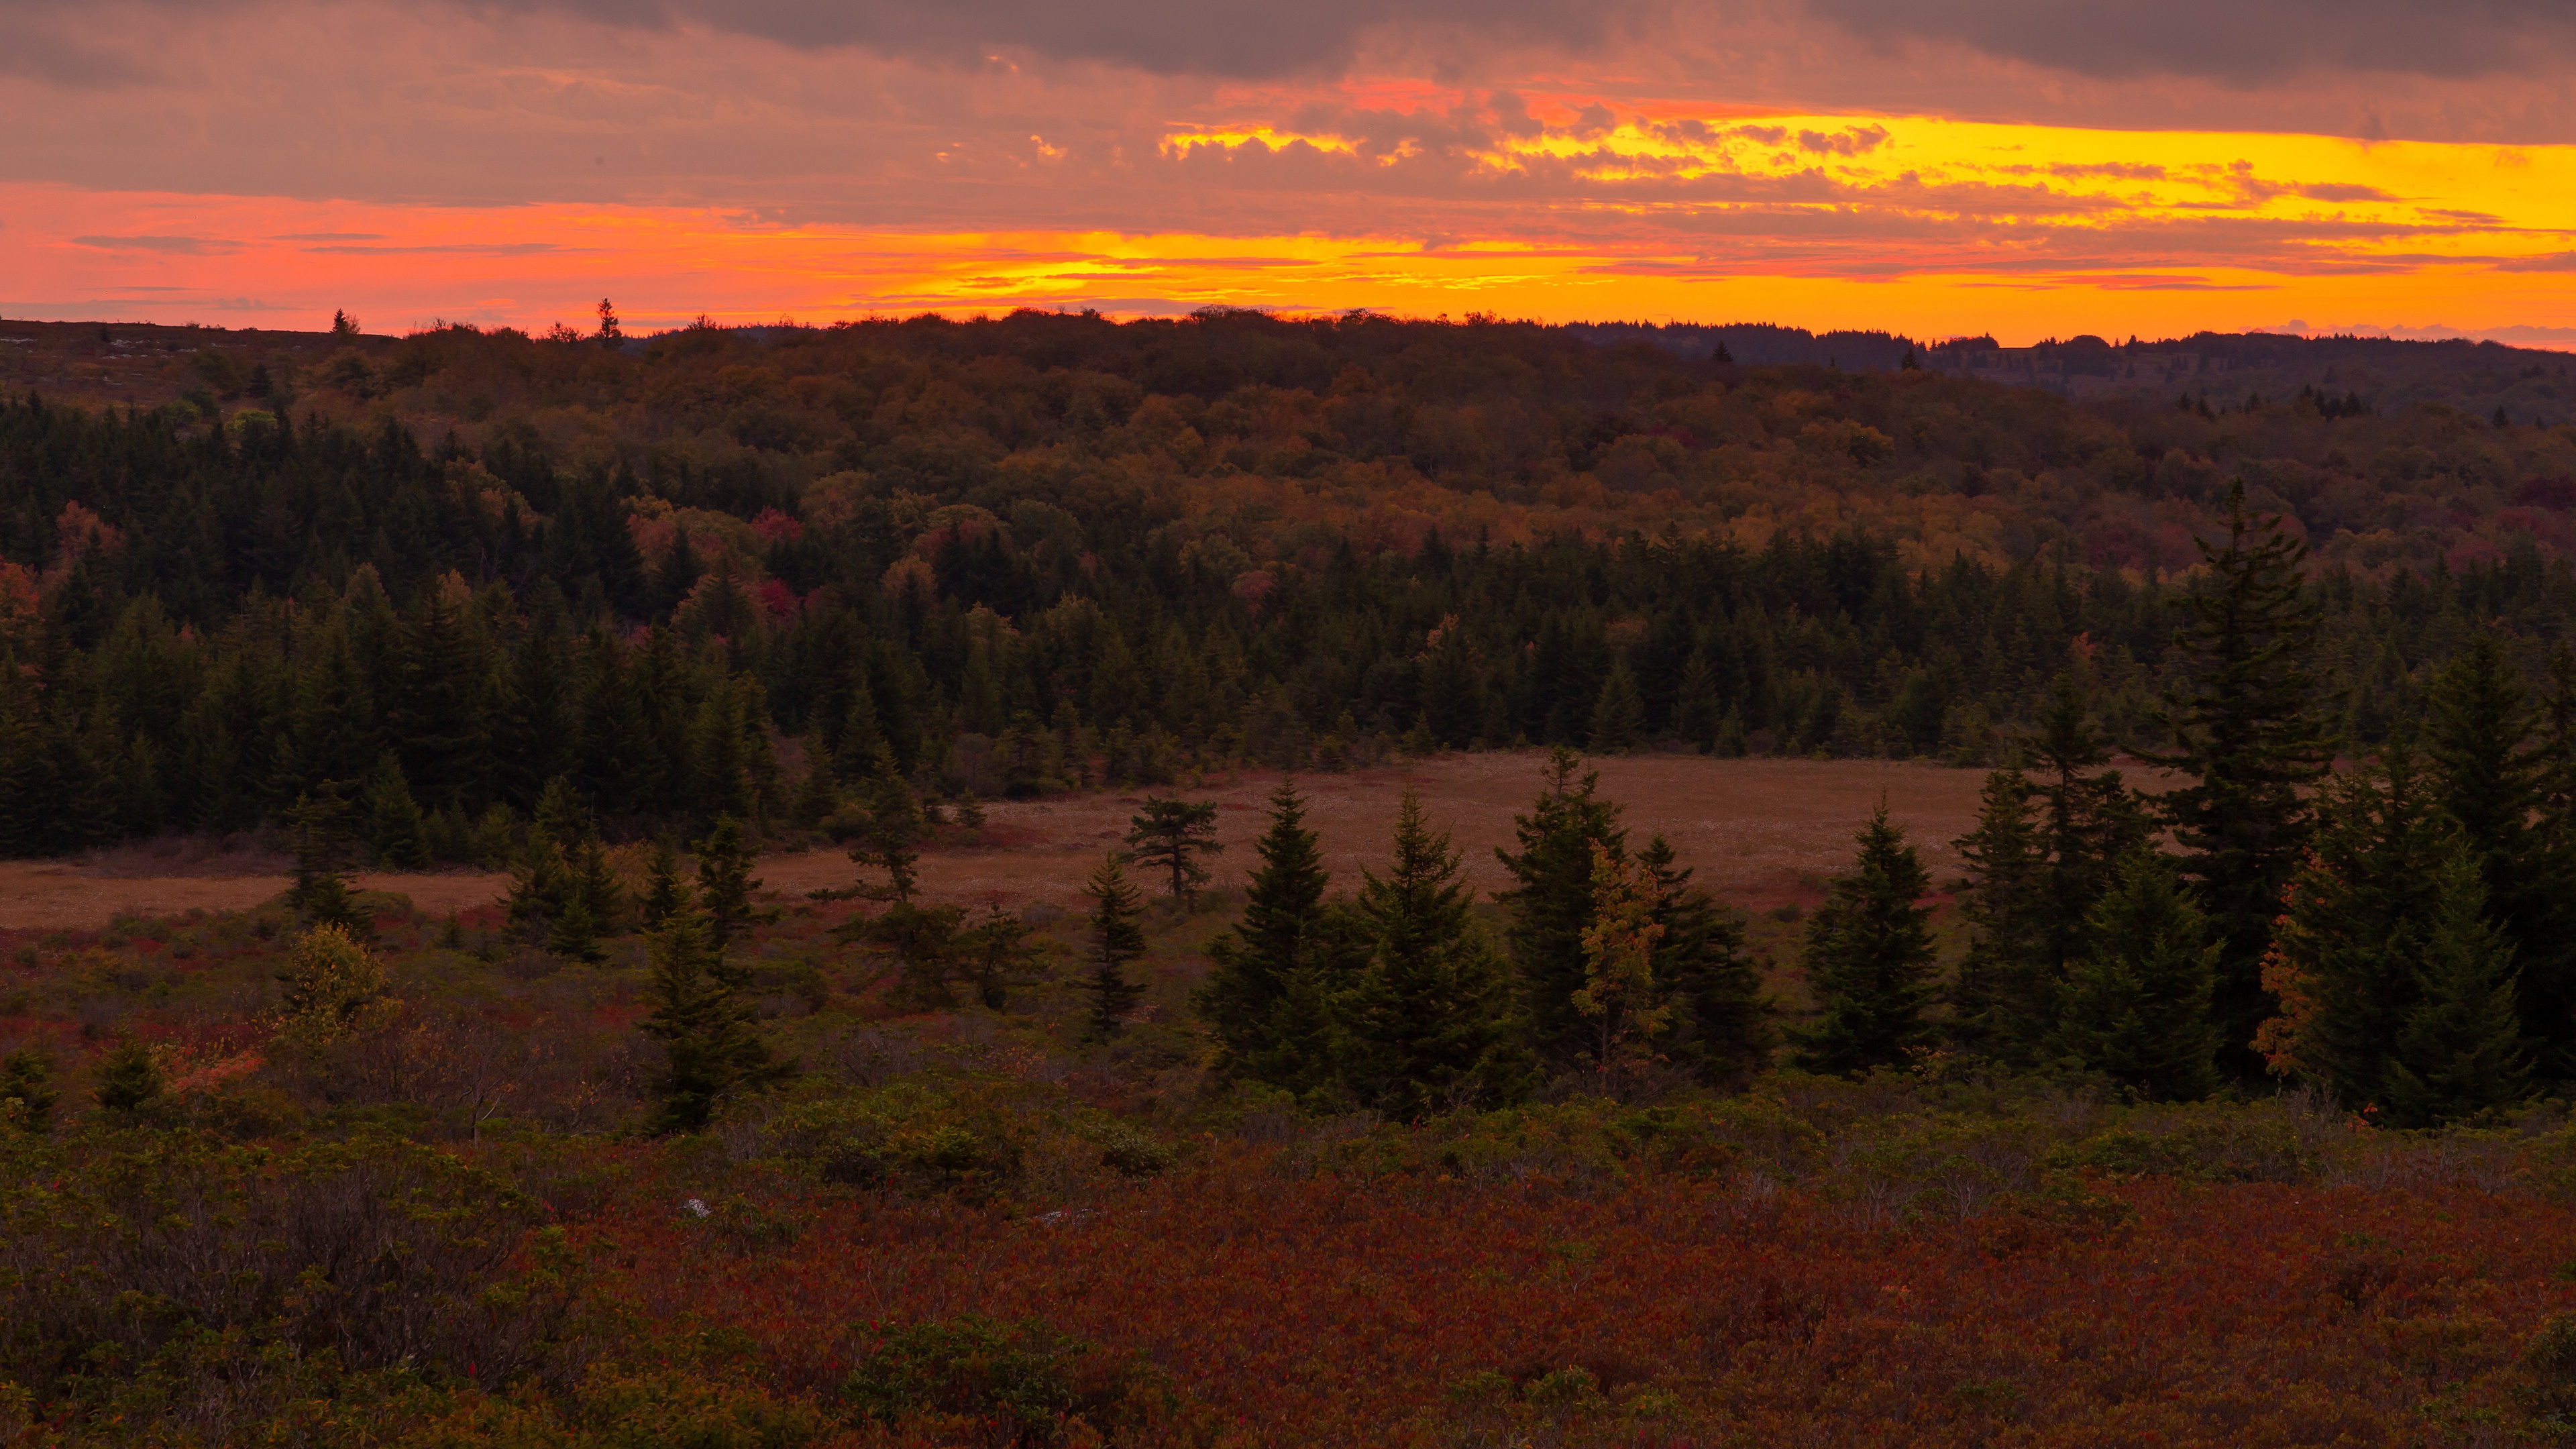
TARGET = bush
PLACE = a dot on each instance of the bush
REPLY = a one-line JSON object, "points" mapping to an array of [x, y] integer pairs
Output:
{"points": [[906, 1138], [1026, 1381]]}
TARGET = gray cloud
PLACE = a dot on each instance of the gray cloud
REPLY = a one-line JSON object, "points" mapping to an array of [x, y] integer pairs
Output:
{"points": [[1163, 36], [2240, 42], [182, 246]]}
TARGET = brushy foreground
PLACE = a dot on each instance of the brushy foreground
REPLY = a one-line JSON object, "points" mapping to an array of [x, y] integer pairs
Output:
{"points": [[928, 1243]]}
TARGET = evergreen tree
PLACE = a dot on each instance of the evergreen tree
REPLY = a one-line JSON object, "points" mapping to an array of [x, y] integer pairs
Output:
{"points": [[1254, 966], [1550, 907], [665, 894], [130, 1079], [2353, 926], [393, 818], [1869, 959], [2492, 778], [1619, 712], [1698, 713], [2461, 1051], [2091, 821], [679, 574], [27, 1091], [540, 889], [1117, 942], [714, 1050], [725, 883], [2249, 725], [321, 894], [1722, 1026], [2004, 1001], [895, 827], [1428, 1022], [2137, 1005], [438, 717], [1173, 837]]}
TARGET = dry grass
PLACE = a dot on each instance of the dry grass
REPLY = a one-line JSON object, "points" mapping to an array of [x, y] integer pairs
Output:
{"points": [[1760, 832]]}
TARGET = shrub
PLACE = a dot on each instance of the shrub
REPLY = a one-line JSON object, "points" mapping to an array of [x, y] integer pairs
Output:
{"points": [[1027, 1382]]}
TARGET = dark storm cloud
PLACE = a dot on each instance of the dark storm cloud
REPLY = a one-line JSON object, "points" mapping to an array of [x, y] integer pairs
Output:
{"points": [[1165, 36], [2243, 42]]}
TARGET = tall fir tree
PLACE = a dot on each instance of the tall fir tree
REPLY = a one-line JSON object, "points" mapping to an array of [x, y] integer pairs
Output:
{"points": [[665, 894], [1869, 960], [2343, 962], [1722, 1030], [1619, 712], [2491, 775], [725, 883], [2461, 1051], [1117, 942], [895, 826], [1428, 1023], [2004, 1000], [2136, 1005], [2249, 721], [1550, 903], [714, 1051], [394, 827], [1254, 967]]}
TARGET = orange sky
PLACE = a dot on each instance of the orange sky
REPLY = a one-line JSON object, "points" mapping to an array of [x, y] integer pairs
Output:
{"points": [[1822, 163]]}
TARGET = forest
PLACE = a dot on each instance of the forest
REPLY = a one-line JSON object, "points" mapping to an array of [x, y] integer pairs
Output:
{"points": [[2228, 1109]]}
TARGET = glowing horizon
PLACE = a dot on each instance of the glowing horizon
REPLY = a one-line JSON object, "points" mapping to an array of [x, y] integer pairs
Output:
{"points": [[1596, 179]]}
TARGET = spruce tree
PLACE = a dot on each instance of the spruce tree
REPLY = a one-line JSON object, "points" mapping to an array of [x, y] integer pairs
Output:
{"points": [[2248, 721], [2091, 821], [1869, 960], [1618, 712], [1550, 905], [1428, 1023], [394, 829], [895, 828], [438, 719], [1117, 942], [1253, 966], [1173, 837], [725, 883], [1722, 1030], [2353, 925], [2493, 779], [2136, 1006], [27, 1093], [2004, 1002], [321, 894], [2461, 1050], [665, 894], [1698, 713], [130, 1079], [714, 1050], [540, 887]]}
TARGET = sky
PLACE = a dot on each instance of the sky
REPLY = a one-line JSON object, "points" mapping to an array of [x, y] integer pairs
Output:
{"points": [[2023, 168]]}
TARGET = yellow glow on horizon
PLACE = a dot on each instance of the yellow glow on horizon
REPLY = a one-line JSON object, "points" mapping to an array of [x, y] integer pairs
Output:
{"points": [[1917, 224]]}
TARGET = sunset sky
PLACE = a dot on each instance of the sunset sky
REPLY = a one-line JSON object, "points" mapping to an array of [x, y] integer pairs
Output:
{"points": [[1933, 166]]}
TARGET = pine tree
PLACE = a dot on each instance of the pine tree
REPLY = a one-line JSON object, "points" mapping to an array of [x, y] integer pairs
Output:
{"points": [[714, 1051], [1428, 1022], [1551, 905], [2249, 725], [321, 894], [130, 1079], [393, 817], [2004, 1001], [1117, 942], [438, 718], [665, 894], [540, 888], [1172, 837], [1619, 712], [2461, 1051], [1722, 1026], [1698, 713], [27, 1093], [679, 574], [895, 826], [1254, 965], [1869, 959], [2137, 1005], [2091, 821], [2352, 927], [2492, 778], [725, 883]]}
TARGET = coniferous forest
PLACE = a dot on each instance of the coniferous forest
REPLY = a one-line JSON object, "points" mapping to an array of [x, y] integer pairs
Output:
{"points": [[2219, 1098]]}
